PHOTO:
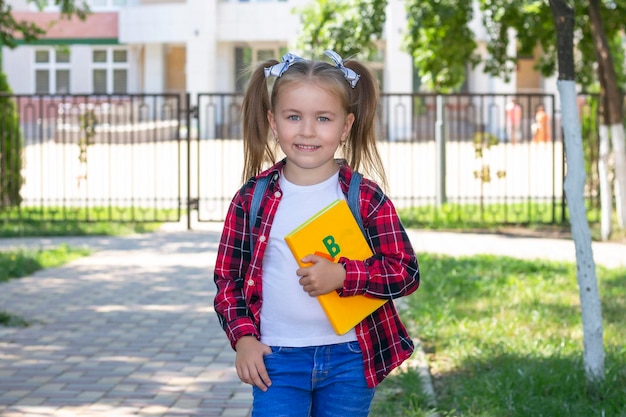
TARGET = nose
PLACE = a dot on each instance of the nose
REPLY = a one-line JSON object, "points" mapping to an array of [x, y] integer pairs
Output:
{"points": [[307, 127]]}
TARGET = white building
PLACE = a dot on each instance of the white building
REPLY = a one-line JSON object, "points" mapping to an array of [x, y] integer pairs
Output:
{"points": [[195, 46]]}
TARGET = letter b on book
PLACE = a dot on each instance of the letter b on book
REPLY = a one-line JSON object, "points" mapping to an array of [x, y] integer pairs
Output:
{"points": [[331, 246]]}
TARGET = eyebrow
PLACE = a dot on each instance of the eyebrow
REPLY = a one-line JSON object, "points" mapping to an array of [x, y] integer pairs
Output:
{"points": [[317, 113]]}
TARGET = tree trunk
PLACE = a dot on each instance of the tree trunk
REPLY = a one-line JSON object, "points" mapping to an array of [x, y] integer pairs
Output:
{"points": [[574, 186], [606, 193], [604, 164], [619, 156], [610, 97]]}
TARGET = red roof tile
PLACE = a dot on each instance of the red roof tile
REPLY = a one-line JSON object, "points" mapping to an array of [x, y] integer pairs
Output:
{"points": [[95, 26]]}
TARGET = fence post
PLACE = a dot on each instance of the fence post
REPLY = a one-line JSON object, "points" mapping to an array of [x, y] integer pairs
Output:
{"points": [[188, 112], [440, 142]]}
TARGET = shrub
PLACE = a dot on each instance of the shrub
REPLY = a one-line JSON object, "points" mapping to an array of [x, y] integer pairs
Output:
{"points": [[11, 144]]}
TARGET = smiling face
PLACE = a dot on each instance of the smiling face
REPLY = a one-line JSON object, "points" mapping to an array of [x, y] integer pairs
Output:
{"points": [[309, 123]]}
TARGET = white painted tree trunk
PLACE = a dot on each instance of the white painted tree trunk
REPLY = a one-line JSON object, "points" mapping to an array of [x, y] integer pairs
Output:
{"points": [[593, 355], [619, 156], [606, 192]]}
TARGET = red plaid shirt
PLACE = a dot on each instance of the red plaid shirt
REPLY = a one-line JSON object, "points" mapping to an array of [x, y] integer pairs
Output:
{"points": [[392, 272]]}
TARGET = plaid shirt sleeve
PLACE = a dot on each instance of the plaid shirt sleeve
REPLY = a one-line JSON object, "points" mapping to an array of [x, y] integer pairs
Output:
{"points": [[238, 274], [232, 304], [392, 272]]}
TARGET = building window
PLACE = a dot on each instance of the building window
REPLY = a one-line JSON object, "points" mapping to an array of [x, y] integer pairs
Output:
{"points": [[52, 6], [106, 4], [110, 71], [242, 64], [246, 59], [46, 6], [52, 71]]}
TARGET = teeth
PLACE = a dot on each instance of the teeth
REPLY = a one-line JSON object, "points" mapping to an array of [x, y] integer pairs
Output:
{"points": [[307, 146]]}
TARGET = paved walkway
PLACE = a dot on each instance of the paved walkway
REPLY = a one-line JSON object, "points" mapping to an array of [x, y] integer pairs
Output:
{"points": [[131, 331]]}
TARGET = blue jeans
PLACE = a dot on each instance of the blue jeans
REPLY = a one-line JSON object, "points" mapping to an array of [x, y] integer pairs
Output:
{"points": [[316, 381]]}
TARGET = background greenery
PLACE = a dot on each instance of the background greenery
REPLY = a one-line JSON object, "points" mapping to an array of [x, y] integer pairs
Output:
{"points": [[11, 144], [503, 337]]}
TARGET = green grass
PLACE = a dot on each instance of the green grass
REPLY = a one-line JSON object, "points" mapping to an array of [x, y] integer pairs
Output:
{"points": [[456, 215], [504, 338], [73, 228], [64, 221], [12, 320], [21, 262], [541, 218], [401, 395]]}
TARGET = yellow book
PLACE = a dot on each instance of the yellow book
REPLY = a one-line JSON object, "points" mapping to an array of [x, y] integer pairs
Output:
{"points": [[334, 233]]}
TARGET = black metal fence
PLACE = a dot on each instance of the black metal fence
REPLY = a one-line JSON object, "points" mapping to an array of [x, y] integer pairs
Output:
{"points": [[469, 158], [99, 158]]}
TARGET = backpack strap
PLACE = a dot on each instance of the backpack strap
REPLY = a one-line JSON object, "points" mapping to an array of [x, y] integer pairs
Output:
{"points": [[257, 196], [354, 192]]}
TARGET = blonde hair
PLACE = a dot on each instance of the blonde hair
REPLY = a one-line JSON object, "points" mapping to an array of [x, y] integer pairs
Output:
{"points": [[360, 147]]}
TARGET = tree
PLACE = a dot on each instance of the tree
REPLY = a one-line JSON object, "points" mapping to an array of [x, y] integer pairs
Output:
{"points": [[350, 27], [11, 144], [593, 355], [611, 124], [442, 45], [441, 42], [599, 27], [11, 30]]}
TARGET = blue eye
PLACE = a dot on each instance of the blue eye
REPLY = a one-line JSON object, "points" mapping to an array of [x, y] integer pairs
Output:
{"points": [[293, 117], [323, 119]]}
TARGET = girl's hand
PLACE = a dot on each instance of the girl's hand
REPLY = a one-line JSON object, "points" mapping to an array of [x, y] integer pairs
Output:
{"points": [[322, 277], [250, 364]]}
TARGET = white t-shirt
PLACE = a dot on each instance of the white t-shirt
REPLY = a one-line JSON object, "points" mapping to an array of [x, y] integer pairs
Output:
{"points": [[289, 316]]}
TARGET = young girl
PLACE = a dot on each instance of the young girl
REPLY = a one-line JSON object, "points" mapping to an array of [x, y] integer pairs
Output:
{"points": [[286, 347]]}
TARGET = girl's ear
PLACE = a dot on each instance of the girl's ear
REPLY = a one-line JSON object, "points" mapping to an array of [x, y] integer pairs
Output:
{"points": [[347, 126], [272, 122]]}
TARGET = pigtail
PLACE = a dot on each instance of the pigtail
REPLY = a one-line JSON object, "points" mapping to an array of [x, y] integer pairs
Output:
{"points": [[360, 150], [255, 105]]}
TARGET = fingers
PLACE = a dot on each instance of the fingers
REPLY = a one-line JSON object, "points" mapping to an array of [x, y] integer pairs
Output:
{"points": [[321, 278], [310, 289], [250, 363], [255, 375], [311, 260], [261, 379]]}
